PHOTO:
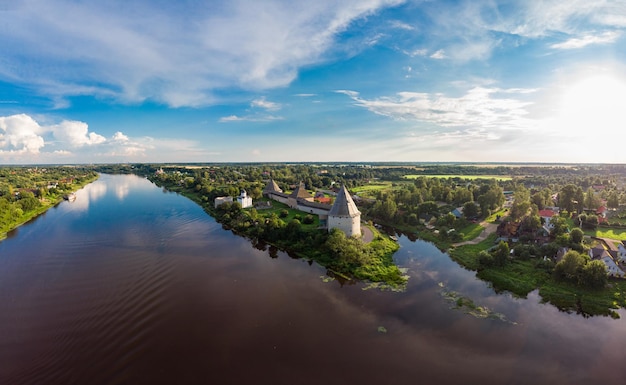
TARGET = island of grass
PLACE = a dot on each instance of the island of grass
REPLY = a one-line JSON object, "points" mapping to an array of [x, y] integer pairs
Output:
{"points": [[349, 259]]}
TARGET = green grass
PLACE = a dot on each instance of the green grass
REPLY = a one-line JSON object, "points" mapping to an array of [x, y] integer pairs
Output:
{"points": [[619, 234], [467, 255], [517, 277], [372, 187], [493, 217], [499, 178], [277, 207], [471, 231]]}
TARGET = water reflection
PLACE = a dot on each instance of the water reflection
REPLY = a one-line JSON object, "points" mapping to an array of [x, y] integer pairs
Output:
{"points": [[149, 290], [90, 193]]}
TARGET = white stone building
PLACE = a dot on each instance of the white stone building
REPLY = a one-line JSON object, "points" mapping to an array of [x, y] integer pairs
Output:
{"points": [[221, 200], [344, 214], [244, 200]]}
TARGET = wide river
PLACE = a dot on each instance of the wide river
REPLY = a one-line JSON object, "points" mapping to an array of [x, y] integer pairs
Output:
{"points": [[129, 284]]}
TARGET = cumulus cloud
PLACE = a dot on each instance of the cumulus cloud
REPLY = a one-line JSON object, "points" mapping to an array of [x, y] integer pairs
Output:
{"points": [[20, 134], [76, 134], [172, 54], [120, 137]]}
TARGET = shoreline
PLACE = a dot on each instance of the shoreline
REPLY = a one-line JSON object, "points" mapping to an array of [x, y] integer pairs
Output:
{"points": [[34, 214]]}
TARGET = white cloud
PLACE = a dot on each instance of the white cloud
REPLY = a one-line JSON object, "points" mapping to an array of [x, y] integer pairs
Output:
{"points": [[120, 137], [575, 43], [250, 118], [479, 108], [169, 53], [416, 52], [440, 54], [22, 137], [472, 29], [231, 118], [401, 25], [20, 134], [76, 134], [265, 104]]}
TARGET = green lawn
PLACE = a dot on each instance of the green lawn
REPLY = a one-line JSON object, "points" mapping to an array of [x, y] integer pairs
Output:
{"points": [[619, 234], [471, 231], [500, 178], [372, 187], [277, 207]]}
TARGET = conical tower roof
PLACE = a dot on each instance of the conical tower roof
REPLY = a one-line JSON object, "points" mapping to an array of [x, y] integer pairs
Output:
{"points": [[300, 192], [344, 205], [272, 186]]}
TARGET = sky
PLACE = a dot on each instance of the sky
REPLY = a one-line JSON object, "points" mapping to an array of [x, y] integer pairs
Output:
{"points": [[312, 81]]}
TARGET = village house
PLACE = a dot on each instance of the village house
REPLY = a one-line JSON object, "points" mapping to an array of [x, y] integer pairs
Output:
{"points": [[598, 252], [547, 214], [621, 252]]}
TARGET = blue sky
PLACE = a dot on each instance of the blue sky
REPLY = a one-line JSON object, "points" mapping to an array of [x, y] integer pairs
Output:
{"points": [[350, 80]]}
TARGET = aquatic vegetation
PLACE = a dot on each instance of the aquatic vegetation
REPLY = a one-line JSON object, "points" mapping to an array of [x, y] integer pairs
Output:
{"points": [[467, 305]]}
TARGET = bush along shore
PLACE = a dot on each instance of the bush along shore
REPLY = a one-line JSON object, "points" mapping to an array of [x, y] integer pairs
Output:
{"points": [[26, 193], [300, 235]]}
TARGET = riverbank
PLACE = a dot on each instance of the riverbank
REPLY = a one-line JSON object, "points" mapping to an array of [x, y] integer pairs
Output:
{"points": [[347, 259], [51, 199], [521, 277]]}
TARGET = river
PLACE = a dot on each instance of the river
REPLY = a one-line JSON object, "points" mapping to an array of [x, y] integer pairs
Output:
{"points": [[130, 284]]}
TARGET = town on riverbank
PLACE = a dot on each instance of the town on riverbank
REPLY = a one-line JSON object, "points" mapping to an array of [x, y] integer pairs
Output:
{"points": [[26, 192], [555, 229]]}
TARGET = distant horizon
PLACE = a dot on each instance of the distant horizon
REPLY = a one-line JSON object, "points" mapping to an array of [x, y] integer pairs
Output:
{"points": [[325, 163], [245, 81]]}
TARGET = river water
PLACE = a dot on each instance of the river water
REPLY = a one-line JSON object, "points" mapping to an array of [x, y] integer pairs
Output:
{"points": [[133, 285]]}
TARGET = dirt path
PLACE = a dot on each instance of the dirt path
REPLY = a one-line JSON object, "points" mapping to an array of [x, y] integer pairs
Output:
{"points": [[368, 236], [489, 228]]}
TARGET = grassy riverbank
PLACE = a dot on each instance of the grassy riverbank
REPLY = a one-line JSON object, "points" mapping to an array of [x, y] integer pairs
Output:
{"points": [[520, 277], [299, 234], [15, 213]]}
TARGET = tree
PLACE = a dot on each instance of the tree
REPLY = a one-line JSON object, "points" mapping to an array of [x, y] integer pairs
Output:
{"points": [[613, 201], [470, 210], [485, 259], [293, 229], [501, 253], [559, 226], [576, 235], [570, 267], [521, 204], [571, 198], [594, 275], [388, 209], [591, 200]]}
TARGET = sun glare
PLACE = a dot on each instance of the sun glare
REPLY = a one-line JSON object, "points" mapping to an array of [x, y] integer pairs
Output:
{"points": [[595, 104]]}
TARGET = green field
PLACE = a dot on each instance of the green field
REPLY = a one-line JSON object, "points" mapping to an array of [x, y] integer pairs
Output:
{"points": [[619, 234], [469, 177]]}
